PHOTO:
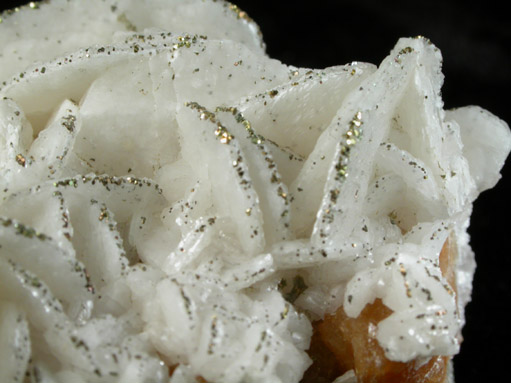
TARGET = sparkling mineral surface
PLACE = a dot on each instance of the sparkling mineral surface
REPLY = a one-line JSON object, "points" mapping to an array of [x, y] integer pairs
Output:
{"points": [[178, 207]]}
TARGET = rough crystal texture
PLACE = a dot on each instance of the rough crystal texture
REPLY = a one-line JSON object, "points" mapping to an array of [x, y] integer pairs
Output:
{"points": [[179, 207]]}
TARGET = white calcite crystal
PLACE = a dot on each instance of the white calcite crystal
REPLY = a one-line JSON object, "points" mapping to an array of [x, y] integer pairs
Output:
{"points": [[161, 177]]}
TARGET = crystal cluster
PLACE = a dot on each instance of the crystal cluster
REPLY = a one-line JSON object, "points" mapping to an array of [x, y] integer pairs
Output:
{"points": [[176, 206]]}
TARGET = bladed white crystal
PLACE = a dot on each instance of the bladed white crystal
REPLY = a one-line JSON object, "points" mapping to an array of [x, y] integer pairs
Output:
{"points": [[161, 176]]}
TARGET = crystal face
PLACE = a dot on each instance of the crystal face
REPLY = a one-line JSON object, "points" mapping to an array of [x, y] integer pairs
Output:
{"points": [[179, 207]]}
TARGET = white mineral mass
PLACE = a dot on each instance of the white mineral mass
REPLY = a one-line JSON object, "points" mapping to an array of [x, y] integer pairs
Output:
{"points": [[160, 176]]}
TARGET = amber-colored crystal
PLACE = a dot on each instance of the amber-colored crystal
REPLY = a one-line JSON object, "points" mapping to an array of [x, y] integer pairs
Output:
{"points": [[325, 367], [352, 343], [447, 261]]}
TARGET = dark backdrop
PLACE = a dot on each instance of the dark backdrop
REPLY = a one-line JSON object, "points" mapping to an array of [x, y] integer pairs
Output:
{"points": [[474, 40], [475, 43]]}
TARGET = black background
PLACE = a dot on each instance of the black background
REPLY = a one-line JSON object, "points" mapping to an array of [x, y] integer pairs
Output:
{"points": [[475, 40], [475, 43]]}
